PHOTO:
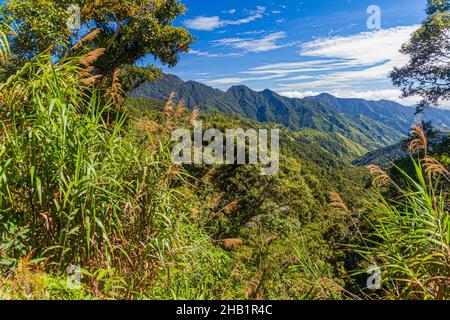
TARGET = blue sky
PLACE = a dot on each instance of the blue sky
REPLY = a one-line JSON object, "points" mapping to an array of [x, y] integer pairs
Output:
{"points": [[298, 48]]}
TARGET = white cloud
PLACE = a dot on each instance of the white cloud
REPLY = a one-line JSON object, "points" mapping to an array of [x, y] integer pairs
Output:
{"points": [[211, 23], [354, 66], [375, 54], [343, 79], [382, 94], [357, 61], [313, 66], [204, 23], [296, 78], [266, 43], [236, 80], [231, 11], [226, 81], [290, 65], [317, 68], [254, 14], [204, 53], [247, 33], [212, 55], [364, 48]]}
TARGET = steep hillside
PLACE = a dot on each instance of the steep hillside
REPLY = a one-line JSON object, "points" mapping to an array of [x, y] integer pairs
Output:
{"points": [[362, 125], [387, 112], [386, 156]]}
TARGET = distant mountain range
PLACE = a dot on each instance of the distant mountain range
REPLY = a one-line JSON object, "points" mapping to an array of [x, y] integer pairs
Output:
{"points": [[361, 125]]}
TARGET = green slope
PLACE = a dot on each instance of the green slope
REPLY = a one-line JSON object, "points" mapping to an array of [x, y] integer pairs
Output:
{"points": [[349, 127]]}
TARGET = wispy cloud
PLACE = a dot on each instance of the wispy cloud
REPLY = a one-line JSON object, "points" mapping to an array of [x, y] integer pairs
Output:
{"points": [[237, 80], [203, 23], [352, 61], [298, 67], [364, 48], [213, 55], [289, 65], [247, 33], [355, 60], [343, 66], [266, 43], [381, 94], [362, 57]]}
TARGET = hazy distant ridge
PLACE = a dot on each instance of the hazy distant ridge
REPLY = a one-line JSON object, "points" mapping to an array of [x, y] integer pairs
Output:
{"points": [[371, 124]]}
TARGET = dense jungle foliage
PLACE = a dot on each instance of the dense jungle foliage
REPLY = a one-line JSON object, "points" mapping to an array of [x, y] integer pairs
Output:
{"points": [[87, 181]]}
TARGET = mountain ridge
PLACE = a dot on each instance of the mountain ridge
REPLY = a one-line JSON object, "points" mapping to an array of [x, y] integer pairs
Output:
{"points": [[371, 124]]}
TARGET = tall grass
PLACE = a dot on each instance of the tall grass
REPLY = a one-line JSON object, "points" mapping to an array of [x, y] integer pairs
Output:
{"points": [[60, 165], [5, 50], [410, 241], [79, 187], [76, 190]]}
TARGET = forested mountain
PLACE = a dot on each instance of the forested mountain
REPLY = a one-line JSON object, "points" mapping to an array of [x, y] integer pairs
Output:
{"points": [[95, 204], [365, 125], [387, 112], [386, 156]]}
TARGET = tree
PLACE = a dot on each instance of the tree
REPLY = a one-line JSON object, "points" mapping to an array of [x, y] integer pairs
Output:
{"points": [[427, 73], [126, 31]]}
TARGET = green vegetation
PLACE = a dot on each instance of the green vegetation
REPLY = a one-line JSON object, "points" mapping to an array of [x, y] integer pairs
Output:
{"points": [[411, 231], [87, 180], [345, 127], [118, 32], [75, 190], [427, 74], [411, 240]]}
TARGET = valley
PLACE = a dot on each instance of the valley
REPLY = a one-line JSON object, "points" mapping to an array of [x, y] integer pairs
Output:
{"points": [[349, 128]]}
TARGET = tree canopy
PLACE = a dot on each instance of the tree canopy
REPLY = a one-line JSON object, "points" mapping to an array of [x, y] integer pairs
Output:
{"points": [[127, 31], [427, 73]]}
